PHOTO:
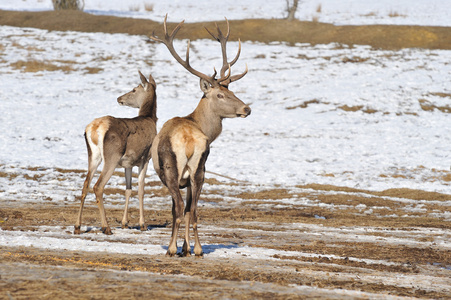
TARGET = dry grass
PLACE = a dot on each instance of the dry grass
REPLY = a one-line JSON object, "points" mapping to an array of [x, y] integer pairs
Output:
{"points": [[426, 105], [34, 66], [370, 14], [89, 70], [395, 14], [357, 108], [319, 8], [265, 31], [133, 8], [304, 104], [148, 6], [442, 95]]}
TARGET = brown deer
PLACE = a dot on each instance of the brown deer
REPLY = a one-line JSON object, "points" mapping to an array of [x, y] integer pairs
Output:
{"points": [[122, 142], [181, 148]]}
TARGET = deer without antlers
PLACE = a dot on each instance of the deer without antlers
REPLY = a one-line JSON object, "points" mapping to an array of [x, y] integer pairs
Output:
{"points": [[181, 148], [122, 142]]}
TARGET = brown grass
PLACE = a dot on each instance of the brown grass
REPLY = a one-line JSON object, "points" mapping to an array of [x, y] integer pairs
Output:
{"points": [[34, 66], [148, 6], [428, 106], [395, 14], [378, 36], [89, 70], [319, 8], [304, 104]]}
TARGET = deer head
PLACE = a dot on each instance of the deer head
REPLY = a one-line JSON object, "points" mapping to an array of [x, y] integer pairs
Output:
{"points": [[221, 100], [136, 97]]}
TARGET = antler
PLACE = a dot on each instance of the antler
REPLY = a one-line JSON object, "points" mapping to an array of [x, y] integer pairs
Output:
{"points": [[168, 41], [226, 80]]}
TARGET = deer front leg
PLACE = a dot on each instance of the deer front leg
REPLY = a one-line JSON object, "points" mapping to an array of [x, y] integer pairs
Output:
{"points": [[128, 193], [141, 183]]}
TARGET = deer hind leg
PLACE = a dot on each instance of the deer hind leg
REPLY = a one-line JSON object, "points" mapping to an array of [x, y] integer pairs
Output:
{"points": [[197, 181], [107, 172], [186, 250], [128, 192], [196, 189], [172, 183], [177, 213], [94, 160]]}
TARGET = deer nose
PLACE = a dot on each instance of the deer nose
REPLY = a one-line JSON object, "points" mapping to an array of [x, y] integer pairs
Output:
{"points": [[247, 110]]}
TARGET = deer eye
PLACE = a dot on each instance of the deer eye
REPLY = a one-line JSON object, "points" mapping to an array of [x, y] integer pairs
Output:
{"points": [[220, 96]]}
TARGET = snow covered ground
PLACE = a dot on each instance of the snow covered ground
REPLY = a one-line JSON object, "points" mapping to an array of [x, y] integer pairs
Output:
{"points": [[398, 144]]}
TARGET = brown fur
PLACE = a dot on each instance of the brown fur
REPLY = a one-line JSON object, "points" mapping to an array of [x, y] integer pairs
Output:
{"points": [[121, 142], [181, 148]]}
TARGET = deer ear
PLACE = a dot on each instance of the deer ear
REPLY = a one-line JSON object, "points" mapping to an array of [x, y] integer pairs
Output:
{"points": [[204, 85], [152, 82], [144, 81]]}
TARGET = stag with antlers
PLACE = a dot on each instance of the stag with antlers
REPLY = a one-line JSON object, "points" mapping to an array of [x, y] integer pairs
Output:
{"points": [[181, 148], [122, 142]]}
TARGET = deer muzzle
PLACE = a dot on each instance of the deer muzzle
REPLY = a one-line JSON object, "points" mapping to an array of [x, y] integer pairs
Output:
{"points": [[246, 112]]}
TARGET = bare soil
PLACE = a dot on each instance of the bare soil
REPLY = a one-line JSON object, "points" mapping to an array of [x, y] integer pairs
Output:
{"points": [[328, 250]]}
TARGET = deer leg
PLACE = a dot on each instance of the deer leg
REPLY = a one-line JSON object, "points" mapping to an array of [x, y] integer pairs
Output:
{"points": [[128, 192], [196, 187], [141, 183], [177, 211], [186, 250], [107, 172], [196, 193], [93, 164], [169, 176]]}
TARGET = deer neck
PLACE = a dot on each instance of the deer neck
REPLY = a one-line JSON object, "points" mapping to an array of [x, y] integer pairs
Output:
{"points": [[149, 108], [209, 122]]}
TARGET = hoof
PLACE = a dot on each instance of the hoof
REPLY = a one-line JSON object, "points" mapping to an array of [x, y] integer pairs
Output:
{"points": [[77, 230], [170, 254], [107, 230], [143, 228], [200, 254], [125, 226], [186, 253]]}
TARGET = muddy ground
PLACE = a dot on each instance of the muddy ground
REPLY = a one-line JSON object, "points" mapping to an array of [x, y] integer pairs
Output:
{"points": [[328, 242]]}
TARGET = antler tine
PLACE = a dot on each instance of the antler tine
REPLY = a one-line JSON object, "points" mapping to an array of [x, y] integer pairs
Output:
{"points": [[224, 80], [168, 41], [223, 41], [228, 79], [237, 55], [239, 76]]}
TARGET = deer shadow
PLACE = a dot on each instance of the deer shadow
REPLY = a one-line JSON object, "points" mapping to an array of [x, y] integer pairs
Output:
{"points": [[207, 249]]}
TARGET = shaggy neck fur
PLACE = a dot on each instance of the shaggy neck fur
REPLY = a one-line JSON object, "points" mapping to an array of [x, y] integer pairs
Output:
{"points": [[209, 122]]}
